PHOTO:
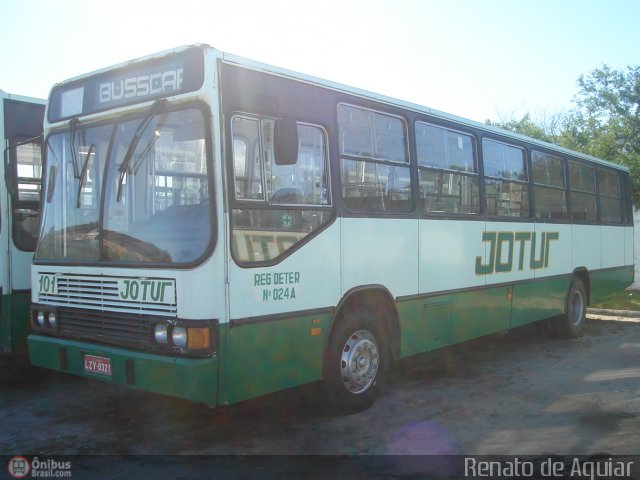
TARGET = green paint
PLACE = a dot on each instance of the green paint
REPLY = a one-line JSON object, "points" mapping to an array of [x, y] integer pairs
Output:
{"points": [[425, 324], [189, 378], [276, 286], [508, 265], [501, 242], [607, 282], [14, 322], [146, 290], [479, 312], [434, 322], [265, 357], [534, 301], [523, 238], [47, 284], [484, 269]]}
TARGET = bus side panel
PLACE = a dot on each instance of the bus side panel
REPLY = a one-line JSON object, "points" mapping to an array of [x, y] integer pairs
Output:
{"points": [[552, 255], [585, 248], [480, 312], [612, 244], [18, 317], [382, 252], [4, 264], [21, 269], [434, 322], [448, 253], [609, 281], [542, 298], [279, 319], [5, 324], [628, 246], [275, 354], [425, 324], [549, 263]]}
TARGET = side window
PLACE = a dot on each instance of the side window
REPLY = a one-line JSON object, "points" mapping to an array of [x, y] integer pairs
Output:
{"points": [[505, 180], [247, 165], [582, 182], [276, 205], [610, 196], [549, 187], [448, 174], [374, 162], [29, 174], [26, 198], [306, 182]]}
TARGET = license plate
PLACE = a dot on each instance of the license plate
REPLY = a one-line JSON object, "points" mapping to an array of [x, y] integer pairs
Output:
{"points": [[99, 365]]}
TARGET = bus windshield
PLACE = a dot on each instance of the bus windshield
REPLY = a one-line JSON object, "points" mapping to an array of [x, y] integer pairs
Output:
{"points": [[132, 191]]}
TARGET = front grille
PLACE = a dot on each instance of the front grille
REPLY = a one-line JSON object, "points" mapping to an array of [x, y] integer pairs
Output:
{"points": [[105, 327], [98, 292], [90, 307]]}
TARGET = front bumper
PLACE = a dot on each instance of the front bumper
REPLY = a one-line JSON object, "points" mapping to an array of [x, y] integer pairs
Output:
{"points": [[194, 379]]}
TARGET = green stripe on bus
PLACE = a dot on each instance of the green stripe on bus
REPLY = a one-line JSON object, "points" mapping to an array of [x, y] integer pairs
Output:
{"points": [[434, 322], [609, 281], [14, 322], [189, 378], [264, 357]]}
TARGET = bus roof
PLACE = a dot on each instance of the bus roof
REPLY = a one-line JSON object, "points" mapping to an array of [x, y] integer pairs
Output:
{"points": [[254, 65], [21, 98], [282, 72]]}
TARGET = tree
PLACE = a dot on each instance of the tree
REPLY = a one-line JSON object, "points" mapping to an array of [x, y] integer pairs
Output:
{"points": [[605, 122], [544, 126], [525, 126]]}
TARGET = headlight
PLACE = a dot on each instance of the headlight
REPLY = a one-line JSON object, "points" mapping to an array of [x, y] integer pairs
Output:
{"points": [[179, 337], [182, 337], [160, 334], [40, 319], [52, 319]]}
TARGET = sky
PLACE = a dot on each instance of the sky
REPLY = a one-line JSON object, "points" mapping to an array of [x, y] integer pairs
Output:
{"points": [[478, 59]]}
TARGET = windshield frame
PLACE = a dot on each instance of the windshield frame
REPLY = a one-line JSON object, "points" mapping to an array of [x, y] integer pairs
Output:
{"points": [[166, 108]]}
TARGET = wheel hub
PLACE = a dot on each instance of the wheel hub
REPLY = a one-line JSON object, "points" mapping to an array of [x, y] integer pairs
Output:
{"points": [[577, 308], [359, 361]]}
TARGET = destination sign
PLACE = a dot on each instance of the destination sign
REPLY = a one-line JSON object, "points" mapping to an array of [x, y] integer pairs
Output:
{"points": [[154, 83], [135, 83]]}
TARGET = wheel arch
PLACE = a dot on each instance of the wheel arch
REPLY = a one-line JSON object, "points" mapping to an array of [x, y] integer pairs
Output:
{"points": [[583, 274], [377, 298]]}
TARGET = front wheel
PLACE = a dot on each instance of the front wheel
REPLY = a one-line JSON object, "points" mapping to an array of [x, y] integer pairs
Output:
{"points": [[356, 365], [571, 324]]}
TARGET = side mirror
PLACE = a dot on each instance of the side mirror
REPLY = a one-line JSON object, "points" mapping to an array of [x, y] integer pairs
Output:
{"points": [[286, 141]]}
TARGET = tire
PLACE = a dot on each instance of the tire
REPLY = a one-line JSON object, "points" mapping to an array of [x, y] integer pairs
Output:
{"points": [[572, 322], [357, 364]]}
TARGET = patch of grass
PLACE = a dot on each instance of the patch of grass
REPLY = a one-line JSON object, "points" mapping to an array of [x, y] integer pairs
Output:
{"points": [[627, 300]]}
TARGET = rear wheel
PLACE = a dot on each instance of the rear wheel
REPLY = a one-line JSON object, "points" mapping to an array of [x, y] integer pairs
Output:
{"points": [[571, 324], [357, 364]]}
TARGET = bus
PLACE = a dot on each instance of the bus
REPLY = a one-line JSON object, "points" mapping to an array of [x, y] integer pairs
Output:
{"points": [[21, 121], [217, 229]]}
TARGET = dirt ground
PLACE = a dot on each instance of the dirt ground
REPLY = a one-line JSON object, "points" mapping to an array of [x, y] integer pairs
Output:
{"points": [[518, 393]]}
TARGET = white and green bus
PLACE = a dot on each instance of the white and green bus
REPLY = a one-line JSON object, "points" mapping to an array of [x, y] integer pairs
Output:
{"points": [[217, 229], [21, 131]]}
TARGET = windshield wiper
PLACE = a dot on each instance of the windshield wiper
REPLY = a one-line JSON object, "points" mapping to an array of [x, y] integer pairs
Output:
{"points": [[53, 171], [74, 154], [128, 157], [83, 174]]}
